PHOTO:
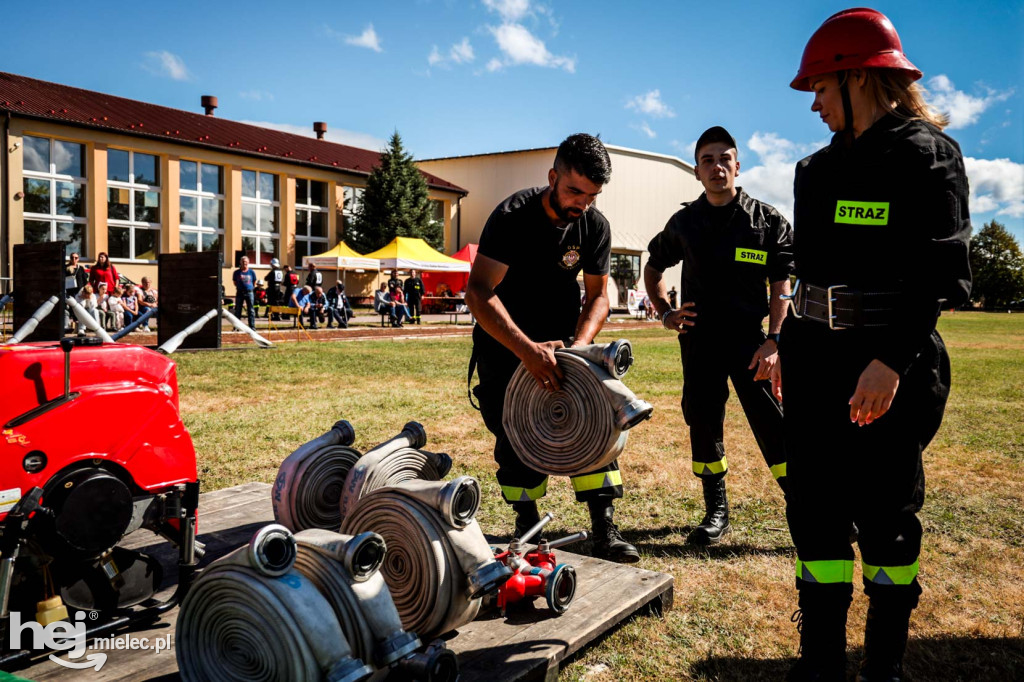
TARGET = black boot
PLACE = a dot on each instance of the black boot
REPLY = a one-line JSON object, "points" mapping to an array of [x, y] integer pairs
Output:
{"points": [[608, 542], [821, 622], [716, 517], [885, 640], [527, 517]]}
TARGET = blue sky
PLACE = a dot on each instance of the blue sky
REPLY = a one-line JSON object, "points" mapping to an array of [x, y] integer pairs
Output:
{"points": [[470, 76]]}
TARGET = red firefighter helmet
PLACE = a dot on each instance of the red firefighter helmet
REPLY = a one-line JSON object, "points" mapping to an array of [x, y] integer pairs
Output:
{"points": [[853, 39]]}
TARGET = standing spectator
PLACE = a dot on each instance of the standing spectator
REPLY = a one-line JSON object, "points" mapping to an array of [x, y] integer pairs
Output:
{"points": [[75, 276], [291, 280], [394, 282], [115, 309], [275, 279], [130, 303], [245, 283], [315, 278], [413, 295], [317, 307], [103, 271], [147, 296], [338, 308], [673, 297]]}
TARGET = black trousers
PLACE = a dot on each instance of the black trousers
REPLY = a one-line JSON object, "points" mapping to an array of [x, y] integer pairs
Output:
{"points": [[414, 309], [711, 355], [519, 482], [840, 473]]}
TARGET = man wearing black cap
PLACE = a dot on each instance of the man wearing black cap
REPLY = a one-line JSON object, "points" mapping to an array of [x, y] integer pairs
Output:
{"points": [[729, 243]]}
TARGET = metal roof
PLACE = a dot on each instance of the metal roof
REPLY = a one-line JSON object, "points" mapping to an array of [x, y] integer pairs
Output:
{"points": [[32, 98], [610, 147]]}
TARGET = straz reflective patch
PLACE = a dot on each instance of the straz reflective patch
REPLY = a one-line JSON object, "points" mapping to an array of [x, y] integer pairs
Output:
{"points": [[862, 212], [751, 256]]}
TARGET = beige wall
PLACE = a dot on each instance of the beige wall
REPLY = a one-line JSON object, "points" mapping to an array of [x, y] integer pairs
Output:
{"points": [[96, 144], [644, 192]]}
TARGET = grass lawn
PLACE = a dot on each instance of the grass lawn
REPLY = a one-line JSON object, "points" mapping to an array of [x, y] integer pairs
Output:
{"points": [[247, 410]]}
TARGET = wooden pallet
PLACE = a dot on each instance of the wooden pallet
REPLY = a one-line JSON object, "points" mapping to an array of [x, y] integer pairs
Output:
{"points": [[528, 644]]}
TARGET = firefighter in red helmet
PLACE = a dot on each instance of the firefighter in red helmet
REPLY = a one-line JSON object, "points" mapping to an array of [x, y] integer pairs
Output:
{"points": [[881, 231]]}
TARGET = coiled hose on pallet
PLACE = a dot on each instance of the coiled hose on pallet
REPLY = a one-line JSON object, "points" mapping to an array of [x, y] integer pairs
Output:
{"points": [[584, 425], [252, 617], [307, 491], [438, 564]]}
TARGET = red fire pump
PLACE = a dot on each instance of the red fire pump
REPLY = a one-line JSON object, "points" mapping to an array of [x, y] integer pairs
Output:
{"points": [[92, 447], [537, 573]]}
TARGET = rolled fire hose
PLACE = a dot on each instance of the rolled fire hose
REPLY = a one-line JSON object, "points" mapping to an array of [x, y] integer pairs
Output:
{"points": [[31, 323], [392, 462], [243, 327], [438, 564], [89, 321], [171, 344], [307, 492], [581, 427], [252, 616]]}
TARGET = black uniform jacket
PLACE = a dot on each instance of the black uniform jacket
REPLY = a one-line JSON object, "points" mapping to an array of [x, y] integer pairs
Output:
{"points": [[724, 270], [887, 213]]}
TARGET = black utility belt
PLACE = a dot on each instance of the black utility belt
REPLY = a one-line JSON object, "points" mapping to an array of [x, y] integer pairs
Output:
{"points": [[842, 307]]}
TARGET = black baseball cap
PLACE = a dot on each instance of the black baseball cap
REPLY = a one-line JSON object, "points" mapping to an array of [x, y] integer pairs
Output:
{"points": [[713, 134]]}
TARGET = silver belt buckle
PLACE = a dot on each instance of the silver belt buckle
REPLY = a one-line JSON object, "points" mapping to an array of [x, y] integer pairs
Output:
{"points": [[791, 299], [831, 300]]}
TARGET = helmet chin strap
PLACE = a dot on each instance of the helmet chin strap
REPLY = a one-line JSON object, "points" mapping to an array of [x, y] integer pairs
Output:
{"points": [[844, 91]]}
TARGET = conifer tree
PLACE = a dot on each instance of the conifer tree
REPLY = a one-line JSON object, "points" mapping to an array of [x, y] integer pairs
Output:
{"points": [[395, 204], [997, 265]]}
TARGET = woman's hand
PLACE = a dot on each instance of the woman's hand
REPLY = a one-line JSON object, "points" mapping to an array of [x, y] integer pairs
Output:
{"points": [[876, 389]]}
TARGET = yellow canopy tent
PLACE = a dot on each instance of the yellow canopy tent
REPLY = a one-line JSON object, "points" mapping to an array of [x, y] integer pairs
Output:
{"points": [[342, 258], [404, 253]]}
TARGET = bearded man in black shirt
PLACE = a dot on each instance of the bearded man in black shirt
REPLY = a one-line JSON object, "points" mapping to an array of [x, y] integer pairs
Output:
{"points": [[730, 244], [538, 240]]}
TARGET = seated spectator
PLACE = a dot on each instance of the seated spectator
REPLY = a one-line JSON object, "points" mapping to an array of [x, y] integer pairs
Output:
{"points": [[317, 307], [87, 299], [649, 311], [399, 310], [130, 304], [147, 296], [300, 300], [381, 304], [102, 309], [338, 308], [115, 310], [260, 297], [443, 289]]}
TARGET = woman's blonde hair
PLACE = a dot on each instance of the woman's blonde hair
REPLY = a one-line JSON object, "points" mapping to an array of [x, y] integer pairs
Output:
{"points": [[896, 92]]}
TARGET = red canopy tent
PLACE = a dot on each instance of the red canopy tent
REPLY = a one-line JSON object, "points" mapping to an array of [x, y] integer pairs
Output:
{"points": [[455, 280]]}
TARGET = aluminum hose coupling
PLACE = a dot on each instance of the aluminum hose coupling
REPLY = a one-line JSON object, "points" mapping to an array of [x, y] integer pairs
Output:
{"points": [[307, 491], [581, 427]]}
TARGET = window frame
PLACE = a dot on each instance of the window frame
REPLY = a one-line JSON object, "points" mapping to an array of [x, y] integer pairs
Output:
{"points": [[199, 194], [303, 231], [131, 224], [262, 204], [52, 177]]}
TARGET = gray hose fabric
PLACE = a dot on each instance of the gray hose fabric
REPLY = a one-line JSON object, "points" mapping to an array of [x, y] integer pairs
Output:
{"points": [[240, 622], [307, 491], [581, 427], [394, 461], [436, 571]]}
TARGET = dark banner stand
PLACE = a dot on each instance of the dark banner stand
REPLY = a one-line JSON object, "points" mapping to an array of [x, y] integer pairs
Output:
{"points": [[190, 287], [38, 275]]}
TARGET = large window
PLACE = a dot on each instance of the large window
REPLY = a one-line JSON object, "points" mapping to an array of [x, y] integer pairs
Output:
{"points": [[625, 272], [310, 218], [260, 208], [133, 205], [202, 207], [352, 198], [54, 183]]}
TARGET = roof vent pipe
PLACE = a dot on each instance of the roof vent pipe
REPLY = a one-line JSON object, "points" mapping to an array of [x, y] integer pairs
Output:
{"points": [[320, 128], [209, 104]]}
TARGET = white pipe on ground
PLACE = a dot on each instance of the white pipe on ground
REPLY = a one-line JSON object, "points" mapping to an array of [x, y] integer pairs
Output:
{"points": [[31, 323], [89, 321], [243, 327], [171, 344]]}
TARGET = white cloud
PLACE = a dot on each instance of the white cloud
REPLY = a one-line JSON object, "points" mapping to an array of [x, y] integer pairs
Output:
{"points": [[645, 129], [519, 46], [256, 95], [368, 38], [685, 150], [350, 137], [996, 185], [459, 53], [963, 109], [509, 10], [462, 52], [164, 63], [651, 105]]}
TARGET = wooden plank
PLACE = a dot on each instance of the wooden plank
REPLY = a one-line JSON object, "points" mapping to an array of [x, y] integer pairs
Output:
{"points": [[527, 644]]}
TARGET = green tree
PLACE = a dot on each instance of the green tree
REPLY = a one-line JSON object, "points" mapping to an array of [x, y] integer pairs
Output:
{"points": [[997, 266], [395, 204]]}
